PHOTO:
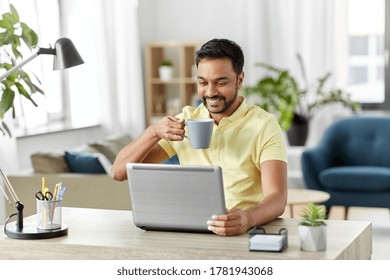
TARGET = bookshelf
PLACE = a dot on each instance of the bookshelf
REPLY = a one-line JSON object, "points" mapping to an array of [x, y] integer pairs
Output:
{"points": [[167, 97]]}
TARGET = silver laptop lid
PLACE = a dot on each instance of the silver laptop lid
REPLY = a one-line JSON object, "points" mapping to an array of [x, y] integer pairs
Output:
{"points": [[175, 197]]}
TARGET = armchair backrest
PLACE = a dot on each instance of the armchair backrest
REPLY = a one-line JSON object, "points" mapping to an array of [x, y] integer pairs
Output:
{"points": [[359, 140]]}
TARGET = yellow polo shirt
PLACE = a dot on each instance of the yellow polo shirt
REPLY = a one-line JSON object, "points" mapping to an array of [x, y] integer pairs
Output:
{"points": [[239, 144]]}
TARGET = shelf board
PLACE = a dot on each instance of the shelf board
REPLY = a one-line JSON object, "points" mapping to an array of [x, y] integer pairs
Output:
{"points": [[162, 82], [173, 81]]}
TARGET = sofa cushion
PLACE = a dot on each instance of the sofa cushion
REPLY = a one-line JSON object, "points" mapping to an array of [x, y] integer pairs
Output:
{"points": [[49, 162], [111, 147], [356, 178], [84, 163]]}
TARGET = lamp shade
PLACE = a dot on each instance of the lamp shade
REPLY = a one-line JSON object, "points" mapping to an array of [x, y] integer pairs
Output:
{"points": [[66, 55]]}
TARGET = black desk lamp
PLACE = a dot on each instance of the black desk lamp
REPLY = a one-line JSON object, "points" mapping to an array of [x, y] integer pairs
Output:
{"points": [[65, 56]]}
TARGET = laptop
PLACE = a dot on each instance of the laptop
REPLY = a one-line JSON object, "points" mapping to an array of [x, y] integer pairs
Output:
{"points": [[171, 197]]}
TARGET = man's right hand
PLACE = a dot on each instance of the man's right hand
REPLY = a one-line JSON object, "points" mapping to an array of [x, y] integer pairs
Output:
{"points": [[169, 128]]}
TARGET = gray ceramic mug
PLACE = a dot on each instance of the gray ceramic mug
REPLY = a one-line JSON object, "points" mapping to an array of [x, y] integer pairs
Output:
{"points": [[199, 132]]}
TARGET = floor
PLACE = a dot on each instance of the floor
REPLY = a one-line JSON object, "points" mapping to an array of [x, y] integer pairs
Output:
{"points": [[380, 218]]}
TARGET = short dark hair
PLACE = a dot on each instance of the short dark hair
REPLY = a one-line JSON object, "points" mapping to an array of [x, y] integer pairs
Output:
{"points": [[222, 48]]}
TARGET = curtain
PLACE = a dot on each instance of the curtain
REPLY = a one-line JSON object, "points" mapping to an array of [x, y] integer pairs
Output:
{"points": [[120, 68], [279, 29], [109, 84]]}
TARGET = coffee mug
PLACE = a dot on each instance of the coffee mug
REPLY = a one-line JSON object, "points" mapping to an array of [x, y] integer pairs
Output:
{"points": [[200, 131]]}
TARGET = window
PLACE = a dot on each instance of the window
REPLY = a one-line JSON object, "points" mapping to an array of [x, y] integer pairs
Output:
{"points": [[367, 52], [42, 17], [68, 93], [83, 30]]}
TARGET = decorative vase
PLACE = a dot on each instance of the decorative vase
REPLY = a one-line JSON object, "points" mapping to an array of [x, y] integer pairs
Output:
{"points": [[165, 72], [299, 130], [312, 238]]}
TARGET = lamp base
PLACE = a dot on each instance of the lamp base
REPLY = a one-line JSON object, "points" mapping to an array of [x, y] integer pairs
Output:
{"points": [[32, 232]]}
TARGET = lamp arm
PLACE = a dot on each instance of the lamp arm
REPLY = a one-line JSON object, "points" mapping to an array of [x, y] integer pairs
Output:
{"points": [[17, 204], [20, 65], [9, 188]]}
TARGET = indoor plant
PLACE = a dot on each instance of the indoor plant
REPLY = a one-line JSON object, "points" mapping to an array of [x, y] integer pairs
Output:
{"points": [[12, 33], [293, 104], [312, 228], [165, 70]]}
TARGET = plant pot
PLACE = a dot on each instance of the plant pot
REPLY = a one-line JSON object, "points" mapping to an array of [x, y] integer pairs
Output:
{"points": [[312, 238], [298, 132], [165, 72]]}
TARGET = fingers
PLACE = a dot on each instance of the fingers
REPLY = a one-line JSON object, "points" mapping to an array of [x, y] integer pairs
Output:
{"points": [[170, 128], [232, 223]]}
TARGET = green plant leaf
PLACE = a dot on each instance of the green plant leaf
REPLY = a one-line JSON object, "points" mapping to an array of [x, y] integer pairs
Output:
{"points": [[29, 36], [6, 128], [7, 101], [14, 13], [24, 93], [5, 38], [11, 39], [26, 79], [38, 89], [5, 24], [15, 45], [313, 215], [10, 20]]}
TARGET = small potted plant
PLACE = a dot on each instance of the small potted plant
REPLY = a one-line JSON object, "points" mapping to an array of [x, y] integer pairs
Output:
{"points": [[312, 229], [165, 70]]}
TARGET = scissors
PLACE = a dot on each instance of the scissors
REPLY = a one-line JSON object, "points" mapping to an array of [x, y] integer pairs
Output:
{"points": [[47, 196]]}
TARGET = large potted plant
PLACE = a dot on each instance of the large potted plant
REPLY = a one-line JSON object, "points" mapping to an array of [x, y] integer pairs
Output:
{"points": [[13, 33], [312, 228], [294, 105]]}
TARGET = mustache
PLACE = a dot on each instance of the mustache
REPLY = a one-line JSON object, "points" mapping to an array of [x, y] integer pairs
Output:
{"points": [[214, 97]]}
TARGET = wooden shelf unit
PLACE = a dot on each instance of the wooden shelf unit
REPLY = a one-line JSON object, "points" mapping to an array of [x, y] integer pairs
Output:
{"points": [[167, 97]]}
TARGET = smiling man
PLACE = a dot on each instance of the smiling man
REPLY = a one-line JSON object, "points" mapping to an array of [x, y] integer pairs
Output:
{"points": [[247, 143]]}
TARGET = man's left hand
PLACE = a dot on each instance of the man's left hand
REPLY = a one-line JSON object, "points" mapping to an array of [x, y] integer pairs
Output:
{"points": [[235, 222]]}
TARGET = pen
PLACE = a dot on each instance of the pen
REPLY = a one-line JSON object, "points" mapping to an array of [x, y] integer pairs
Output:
{"points": [[55, 198], [43, 185], [61, 192], [55, 192]]}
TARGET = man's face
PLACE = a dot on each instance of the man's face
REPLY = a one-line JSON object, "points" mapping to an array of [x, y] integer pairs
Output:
{"points": [[218, 86]]}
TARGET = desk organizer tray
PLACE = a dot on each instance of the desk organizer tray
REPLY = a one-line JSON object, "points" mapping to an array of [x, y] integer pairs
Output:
{"points": [[261, 241]]}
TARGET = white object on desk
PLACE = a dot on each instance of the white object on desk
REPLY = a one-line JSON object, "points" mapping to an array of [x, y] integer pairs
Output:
{"points": [[266, 242]]}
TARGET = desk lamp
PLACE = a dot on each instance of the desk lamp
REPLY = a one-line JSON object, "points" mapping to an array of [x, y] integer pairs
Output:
{"points": [[17, 229], [65, 56]]}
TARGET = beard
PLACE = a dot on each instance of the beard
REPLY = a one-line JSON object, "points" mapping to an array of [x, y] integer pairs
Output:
{"points": [[226, 103]]}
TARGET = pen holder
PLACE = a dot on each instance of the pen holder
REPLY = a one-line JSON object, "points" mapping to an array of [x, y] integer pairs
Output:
{"points": [[49, 216]]}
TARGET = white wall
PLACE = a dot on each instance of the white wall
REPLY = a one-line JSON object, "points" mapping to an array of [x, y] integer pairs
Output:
{"points": [[192, 20]]}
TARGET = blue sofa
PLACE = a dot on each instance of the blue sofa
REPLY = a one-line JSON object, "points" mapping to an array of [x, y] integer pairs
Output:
{"points": [[352, 162]]}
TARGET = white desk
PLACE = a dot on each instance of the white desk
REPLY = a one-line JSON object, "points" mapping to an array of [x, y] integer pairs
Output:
{"points": [[111, 234]]}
